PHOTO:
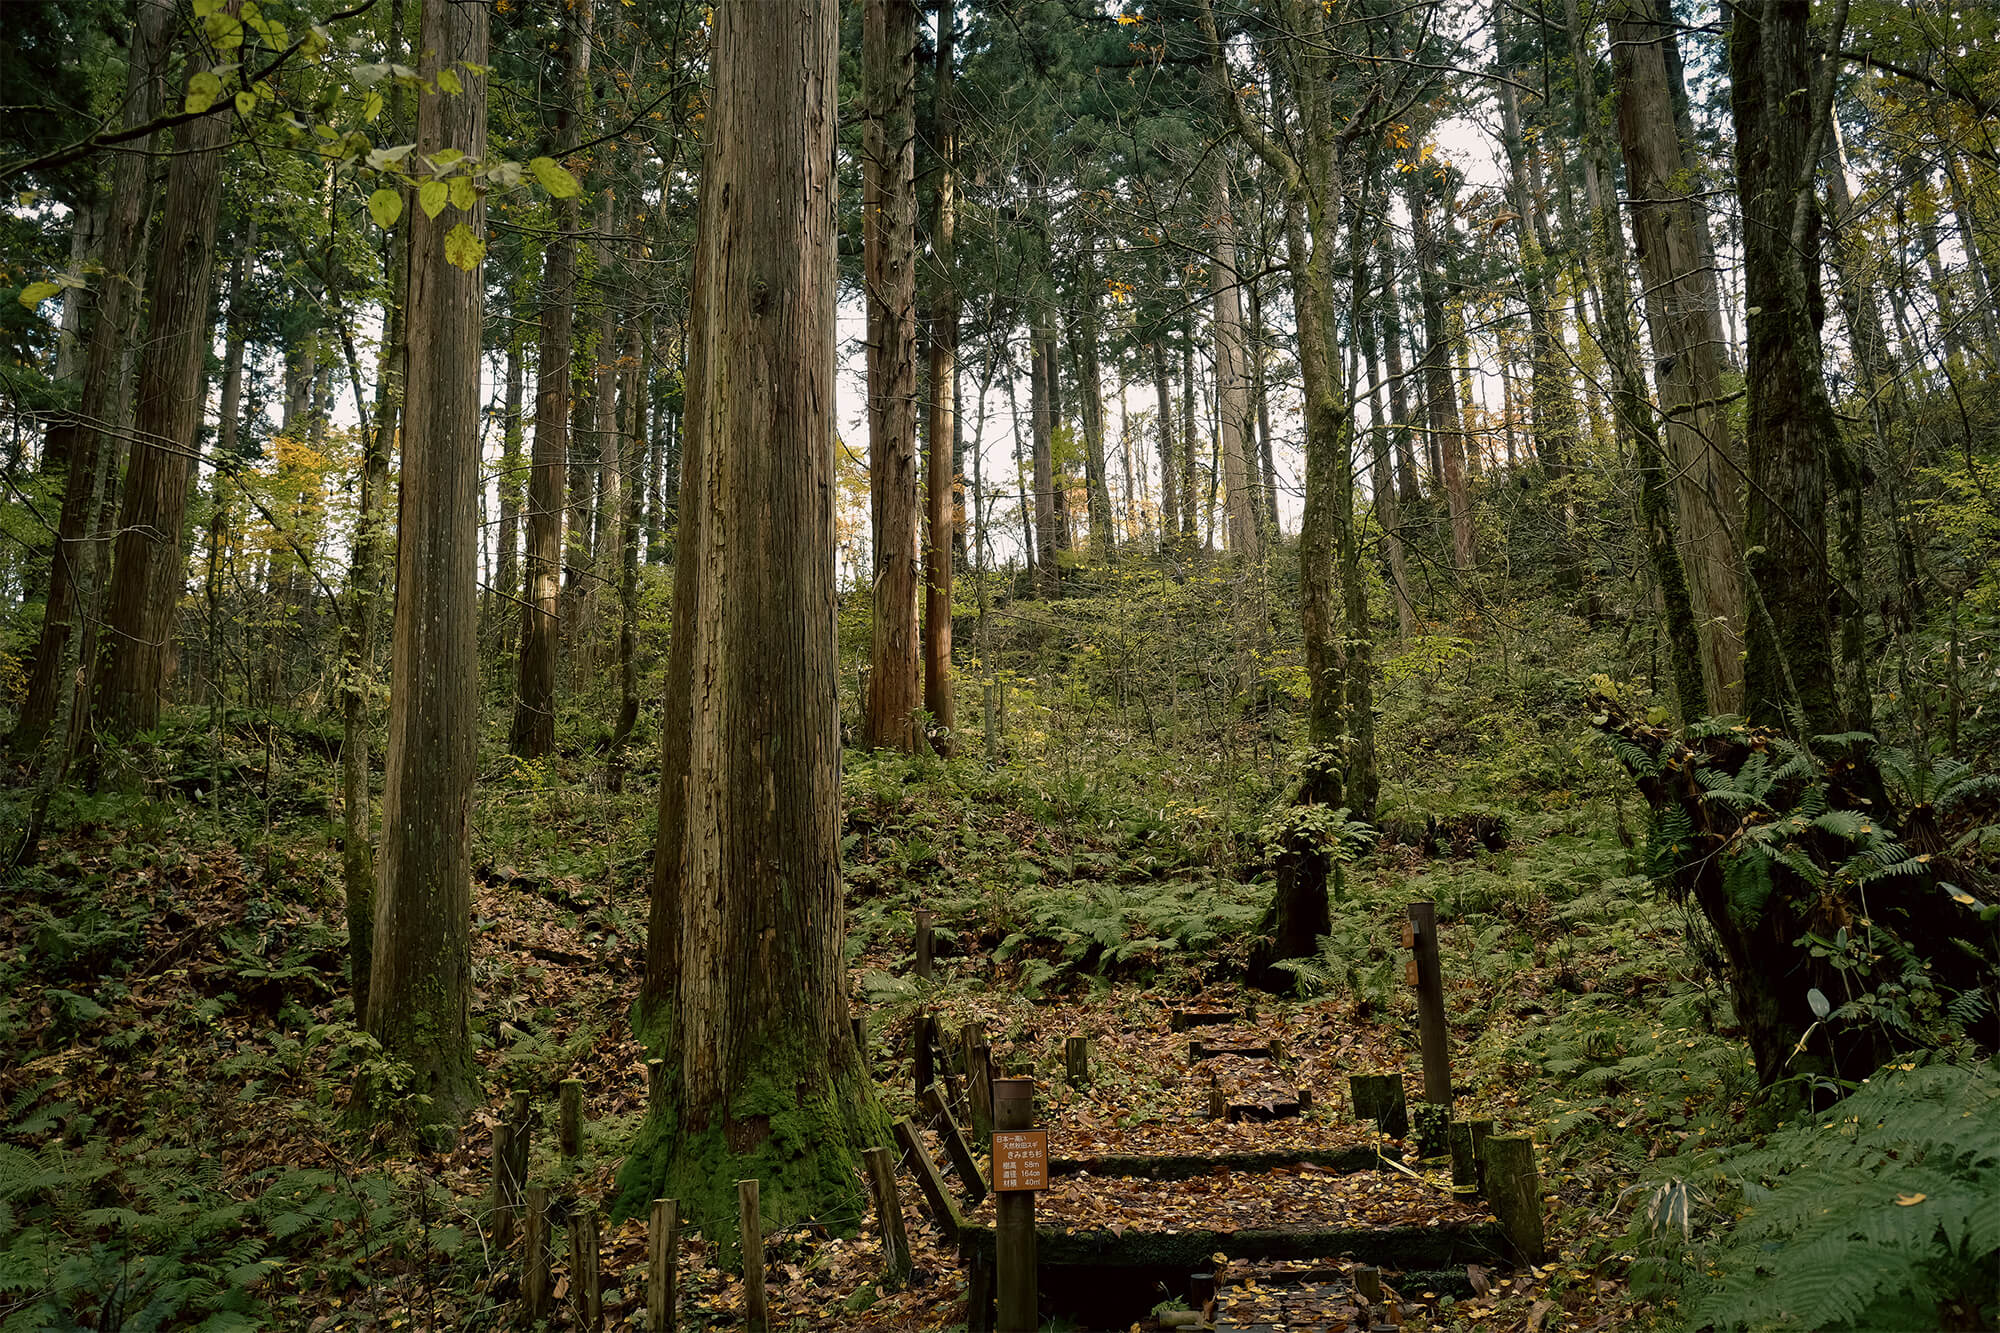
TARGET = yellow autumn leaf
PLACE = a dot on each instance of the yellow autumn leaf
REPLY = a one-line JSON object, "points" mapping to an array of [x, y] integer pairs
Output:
{"points": [[1908, 1200]]}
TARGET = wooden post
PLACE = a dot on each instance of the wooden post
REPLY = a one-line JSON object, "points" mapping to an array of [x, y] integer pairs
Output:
{"points": [[663, 1243], [756, 1316], [1514, 1188], [1014, 1220], [1218, 1105], [926, 944], [979, 1081], [1481, 1131], [585, 1277], [889, 1213], [971, 1035], [569, 1122], [1464, 1171], [1432, 1033], [1076, 1058], [955, 1147], [1368, 1283], [979, 1294], [930, 1182], [1379, 1097], [510, 1167], [535, 1253], [922, 1038]]}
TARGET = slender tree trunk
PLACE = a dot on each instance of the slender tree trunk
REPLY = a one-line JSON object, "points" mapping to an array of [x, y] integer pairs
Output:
{"points": [[420, 989], [1090, 390], [1040, 403], [943, 497], [1260, 343], [1408, 489], [507, 557], [1440, 397], [889, 221], [533, 733], [149, 572], [1232, 389], [745, 991], [1169, 491]]}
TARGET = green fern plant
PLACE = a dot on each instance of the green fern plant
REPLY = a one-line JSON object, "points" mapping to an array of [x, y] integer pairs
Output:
{"points": [[1883, 1213]]}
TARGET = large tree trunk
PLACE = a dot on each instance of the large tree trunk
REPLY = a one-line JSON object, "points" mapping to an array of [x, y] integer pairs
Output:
{"points": [[944, 501], [57, 662], [1041, 404], [1789, 426], [1232, 389], [889, 229], [149, 568], [746, 990], [420, 992], [1670, 234], [533, 734]]}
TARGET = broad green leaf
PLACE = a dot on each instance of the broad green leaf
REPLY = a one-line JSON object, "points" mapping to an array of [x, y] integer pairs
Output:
{"points": [[383, 158], [446, 157], [371, 106], [464, 248], [203, 8], [246, 102], [507, 173], [385, 206], [448, 82], [223, 31], [554, 178], [35, 293], [463, 195], [431, 197], [203, 89]]}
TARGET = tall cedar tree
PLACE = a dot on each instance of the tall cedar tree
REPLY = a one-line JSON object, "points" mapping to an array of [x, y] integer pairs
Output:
{"points": [[943, 500], [745, 994], [889, 229]]}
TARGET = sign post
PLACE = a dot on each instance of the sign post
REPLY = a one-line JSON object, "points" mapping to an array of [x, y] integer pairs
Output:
{"points": [[1420, 936], [1020, 1167]]}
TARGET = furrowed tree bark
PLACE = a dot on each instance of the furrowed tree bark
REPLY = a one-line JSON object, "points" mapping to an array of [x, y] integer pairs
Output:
{"points": [[367, 566], [745, 989], [1670, 234], [889, 230], [149, 565], [1232, 389], [75, 561], [420, 991], [533, 734], [1789, 426], [944, 501]]}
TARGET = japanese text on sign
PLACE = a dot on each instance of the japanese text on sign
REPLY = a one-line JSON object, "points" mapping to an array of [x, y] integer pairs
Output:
{"points": [[1021, 1160]]}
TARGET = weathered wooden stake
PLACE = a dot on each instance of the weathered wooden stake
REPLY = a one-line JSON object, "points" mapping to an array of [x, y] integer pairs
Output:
{"points": [[569, 1121], [510, 1168], [930, 1181], [889, 1214], [1481, 1131], [1432, 1033], [922, 1037], [1514, 1188], [663, 1244], [955, 1147], [1368, 1284], [979, 1082], [756, 1315], [1218, 1105], [1014, 1219], [979, 1294], [1379, 1097], [1464, 1173], [585, 1277], [972, 1035], [535, 1253], [926, 944], [1076, 1058]]}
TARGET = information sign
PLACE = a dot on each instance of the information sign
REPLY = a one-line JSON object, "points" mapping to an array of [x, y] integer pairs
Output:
{"points": [[1020, 1160]]}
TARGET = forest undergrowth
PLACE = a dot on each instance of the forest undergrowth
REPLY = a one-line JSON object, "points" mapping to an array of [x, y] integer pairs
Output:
{"points": [[180, 1050]]}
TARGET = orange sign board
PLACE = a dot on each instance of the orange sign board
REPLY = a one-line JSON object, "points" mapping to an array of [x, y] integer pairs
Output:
{"points": [[1020, 1160]]}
